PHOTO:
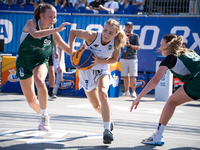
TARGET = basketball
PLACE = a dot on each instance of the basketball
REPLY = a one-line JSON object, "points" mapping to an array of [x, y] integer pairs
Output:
{"points": [[82, 59]]}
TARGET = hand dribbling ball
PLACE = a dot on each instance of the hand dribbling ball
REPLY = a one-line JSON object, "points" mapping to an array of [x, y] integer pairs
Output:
{"points": [[82, 59]]}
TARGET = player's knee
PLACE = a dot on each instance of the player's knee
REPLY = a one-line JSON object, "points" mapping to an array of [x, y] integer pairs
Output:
{"points": [[96, 106], [39, 83], [103, 95], [32, 102], [172, 102]]}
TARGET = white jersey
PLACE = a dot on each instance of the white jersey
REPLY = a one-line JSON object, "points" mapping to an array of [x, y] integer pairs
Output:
{"points": [[101, 51]]}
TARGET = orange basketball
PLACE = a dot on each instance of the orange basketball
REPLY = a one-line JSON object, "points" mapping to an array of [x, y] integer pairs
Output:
{"points": [[82, 59]]}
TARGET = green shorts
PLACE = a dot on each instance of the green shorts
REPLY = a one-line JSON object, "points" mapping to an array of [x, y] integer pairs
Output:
{"points": [[25, 66], [192, 87]]}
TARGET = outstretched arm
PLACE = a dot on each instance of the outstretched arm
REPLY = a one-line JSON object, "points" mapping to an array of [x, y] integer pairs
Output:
{"points": [[30, 27], [151, 84], [61, 43], [88, 36]]}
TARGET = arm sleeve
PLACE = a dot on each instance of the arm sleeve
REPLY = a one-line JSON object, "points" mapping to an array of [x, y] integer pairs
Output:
{"points": [[169, 61]]}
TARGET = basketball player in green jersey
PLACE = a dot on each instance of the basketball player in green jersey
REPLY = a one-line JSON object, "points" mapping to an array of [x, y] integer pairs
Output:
{"points": [[36, 45], [185, 65]]}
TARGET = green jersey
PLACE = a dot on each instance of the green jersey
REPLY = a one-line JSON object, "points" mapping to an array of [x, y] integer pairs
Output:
{"points": [[184, 67], [35, 48]]}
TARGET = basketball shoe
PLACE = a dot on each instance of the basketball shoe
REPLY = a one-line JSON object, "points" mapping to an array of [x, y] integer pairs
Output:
{"points": [[133, 94], [44, 123], [154, 140], [107, 137], [126, 93]]}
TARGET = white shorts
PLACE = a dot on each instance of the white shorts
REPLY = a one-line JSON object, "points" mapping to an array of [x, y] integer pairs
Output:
{"points": [[88, 79], [129, 67]]}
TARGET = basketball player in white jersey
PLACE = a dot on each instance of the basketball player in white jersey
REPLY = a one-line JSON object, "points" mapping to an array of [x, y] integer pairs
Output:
{"points": [[106, 46], [59, 67]]}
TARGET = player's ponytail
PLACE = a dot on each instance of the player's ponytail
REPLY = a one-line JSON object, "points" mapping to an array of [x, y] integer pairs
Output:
{"points": [[120, 39], [41, 8], [37, 12]]}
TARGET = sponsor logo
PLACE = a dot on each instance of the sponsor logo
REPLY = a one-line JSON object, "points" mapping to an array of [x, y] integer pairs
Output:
{"points": [[21, 72], [6, 30], [95, 45], [12, 76], [115, 80], [95, 49], [109, 47], [65, 84]]}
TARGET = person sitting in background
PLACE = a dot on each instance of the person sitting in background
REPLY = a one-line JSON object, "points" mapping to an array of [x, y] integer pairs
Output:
{"points": [[63, 3], [94, 5], [140, 4], [125, 3], [20, 2], [80, 3], [8, 2], [110, 6], [35, 3]]}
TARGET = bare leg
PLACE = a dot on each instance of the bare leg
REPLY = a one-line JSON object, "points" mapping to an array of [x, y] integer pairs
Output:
{"points": [[94, 100], [40, 73], [178, 98], [103, 85], [133, 82], [126, 83], [27, 86]]}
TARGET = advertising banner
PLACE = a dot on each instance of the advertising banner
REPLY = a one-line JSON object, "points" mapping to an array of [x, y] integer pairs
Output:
{"points": [[9, 80], [150, 29]]}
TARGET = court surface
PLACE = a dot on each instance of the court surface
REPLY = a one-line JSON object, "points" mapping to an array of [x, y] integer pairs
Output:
{"points": [[77, 126]]}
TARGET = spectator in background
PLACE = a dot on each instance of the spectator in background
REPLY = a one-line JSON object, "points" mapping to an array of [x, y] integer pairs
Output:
{"points": [[7, 2], [35, 3], [125, 3], [63, 3], [129, 60], [94, 5], [20, 2], [110, 6], [80, 3], [139, 3]]}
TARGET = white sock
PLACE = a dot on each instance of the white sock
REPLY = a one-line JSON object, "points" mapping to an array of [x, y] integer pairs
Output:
{"points": [[160, 129], [106, 125], [43, 112]]}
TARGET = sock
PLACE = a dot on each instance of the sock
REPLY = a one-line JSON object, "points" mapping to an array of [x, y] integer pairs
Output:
{"points": [[106, 125], [160, 129], [51, 90], [43, 112]]}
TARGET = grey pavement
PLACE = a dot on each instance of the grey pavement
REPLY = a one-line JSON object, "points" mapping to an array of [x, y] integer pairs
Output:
{"points": [[76, 126]]}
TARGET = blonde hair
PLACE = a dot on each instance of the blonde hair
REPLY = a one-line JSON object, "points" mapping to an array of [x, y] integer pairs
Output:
{"points": [[175, 44], [41, 8], [120, 39]]}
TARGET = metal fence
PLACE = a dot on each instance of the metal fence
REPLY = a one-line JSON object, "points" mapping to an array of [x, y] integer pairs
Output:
{"points": [[172, 7]]}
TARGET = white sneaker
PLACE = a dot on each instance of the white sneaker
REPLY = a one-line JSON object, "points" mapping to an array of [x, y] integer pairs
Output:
{"points": [[44, 123], [154, 140], [133, 94], [55, 89], [126, 93], [52, 97]]}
